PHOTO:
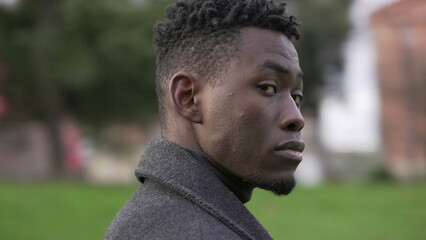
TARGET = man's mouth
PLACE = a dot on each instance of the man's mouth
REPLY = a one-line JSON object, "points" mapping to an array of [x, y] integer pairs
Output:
{"points": [[291, 150]]}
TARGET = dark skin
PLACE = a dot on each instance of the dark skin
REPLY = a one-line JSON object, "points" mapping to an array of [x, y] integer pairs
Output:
{"points": [[249, 123]]}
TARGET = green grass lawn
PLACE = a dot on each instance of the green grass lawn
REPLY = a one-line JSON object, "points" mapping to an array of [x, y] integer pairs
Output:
{"points": [[52, 211]]}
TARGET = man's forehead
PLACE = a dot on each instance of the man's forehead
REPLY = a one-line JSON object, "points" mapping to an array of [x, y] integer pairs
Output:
{"points": [[269, 49], [257, 40]]}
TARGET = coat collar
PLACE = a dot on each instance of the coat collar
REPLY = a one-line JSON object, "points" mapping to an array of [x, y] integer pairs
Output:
{"points": [[185, 173]]}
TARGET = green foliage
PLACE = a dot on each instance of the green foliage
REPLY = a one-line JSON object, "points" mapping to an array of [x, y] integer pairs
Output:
{"points": [[58, 211], [100, 57], [334, 212], [374, 211], [112, 52], [15, 57], [324, 26]]}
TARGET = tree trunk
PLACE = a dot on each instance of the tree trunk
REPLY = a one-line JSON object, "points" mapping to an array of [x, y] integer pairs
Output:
{"points": [[48, 14]]}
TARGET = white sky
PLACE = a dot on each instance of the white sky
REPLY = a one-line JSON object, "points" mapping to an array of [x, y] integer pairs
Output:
{"points": [[7, 2]]}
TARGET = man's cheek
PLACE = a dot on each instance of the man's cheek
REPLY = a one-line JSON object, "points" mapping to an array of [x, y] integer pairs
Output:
{"points": [[254, 118]]}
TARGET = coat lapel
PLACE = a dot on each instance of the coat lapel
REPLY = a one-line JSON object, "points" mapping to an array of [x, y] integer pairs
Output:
{"points": [[191, 177]]}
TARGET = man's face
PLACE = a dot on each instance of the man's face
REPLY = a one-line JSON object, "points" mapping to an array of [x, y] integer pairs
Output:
{"points": [[251, 119]]}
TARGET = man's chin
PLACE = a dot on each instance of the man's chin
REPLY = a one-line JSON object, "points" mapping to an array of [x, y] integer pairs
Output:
{"points": [[282, 186]]}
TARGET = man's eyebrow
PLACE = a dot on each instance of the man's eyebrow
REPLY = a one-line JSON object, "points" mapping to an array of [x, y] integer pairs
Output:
{"points": [[274, 66], [277, 67]]}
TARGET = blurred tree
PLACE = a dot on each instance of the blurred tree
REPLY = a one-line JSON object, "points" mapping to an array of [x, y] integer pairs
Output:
{"points": [[324, 26], [94, 59], [90, 59], [107, 62], [98, 55], [47, 88], [101, 54]]}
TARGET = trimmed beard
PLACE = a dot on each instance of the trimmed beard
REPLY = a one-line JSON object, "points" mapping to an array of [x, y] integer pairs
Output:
{"points": [[279, 187]]}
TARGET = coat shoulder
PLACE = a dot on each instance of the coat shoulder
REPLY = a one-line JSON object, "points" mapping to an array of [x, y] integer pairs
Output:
{"points": [[157, 212]]}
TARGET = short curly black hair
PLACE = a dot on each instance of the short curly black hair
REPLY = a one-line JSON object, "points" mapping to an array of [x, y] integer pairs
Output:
{"points": [[202, 35]]}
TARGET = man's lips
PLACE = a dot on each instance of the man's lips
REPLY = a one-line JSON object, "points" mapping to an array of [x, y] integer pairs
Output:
{"points": [[291, 150]]}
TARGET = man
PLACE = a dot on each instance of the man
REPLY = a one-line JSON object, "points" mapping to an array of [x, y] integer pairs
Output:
{"points": [[230, 88]]}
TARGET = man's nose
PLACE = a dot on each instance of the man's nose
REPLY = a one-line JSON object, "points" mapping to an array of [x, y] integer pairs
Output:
{"points": [[291, 117]]}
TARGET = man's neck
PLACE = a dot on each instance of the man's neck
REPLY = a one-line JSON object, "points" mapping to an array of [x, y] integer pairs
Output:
{"points": [[240, 188]]}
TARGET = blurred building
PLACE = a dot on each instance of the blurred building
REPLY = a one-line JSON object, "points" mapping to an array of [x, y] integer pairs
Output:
{"points": [[24, 151], [400, 35], [378, 116], [349, 126]]}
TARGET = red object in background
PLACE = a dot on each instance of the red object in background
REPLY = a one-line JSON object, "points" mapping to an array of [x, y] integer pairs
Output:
{"points": [[4, 73], [3, 106], [72, 143]]}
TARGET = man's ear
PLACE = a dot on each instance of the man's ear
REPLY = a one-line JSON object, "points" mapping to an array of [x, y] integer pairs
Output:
{"points": [[183, 89]]}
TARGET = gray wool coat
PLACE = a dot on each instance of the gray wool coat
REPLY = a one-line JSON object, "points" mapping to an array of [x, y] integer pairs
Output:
{"points": [[181, 198]]}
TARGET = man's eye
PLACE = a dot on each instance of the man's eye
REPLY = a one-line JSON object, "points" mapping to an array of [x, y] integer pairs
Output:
{"points": [[268, 89], [298, 99]]}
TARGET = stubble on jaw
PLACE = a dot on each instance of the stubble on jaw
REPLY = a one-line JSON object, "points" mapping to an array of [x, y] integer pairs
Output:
{"points": [[280, 187]]}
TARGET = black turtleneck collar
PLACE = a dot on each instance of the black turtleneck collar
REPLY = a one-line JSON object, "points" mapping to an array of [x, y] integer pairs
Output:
{"points": [[240, 188]]}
